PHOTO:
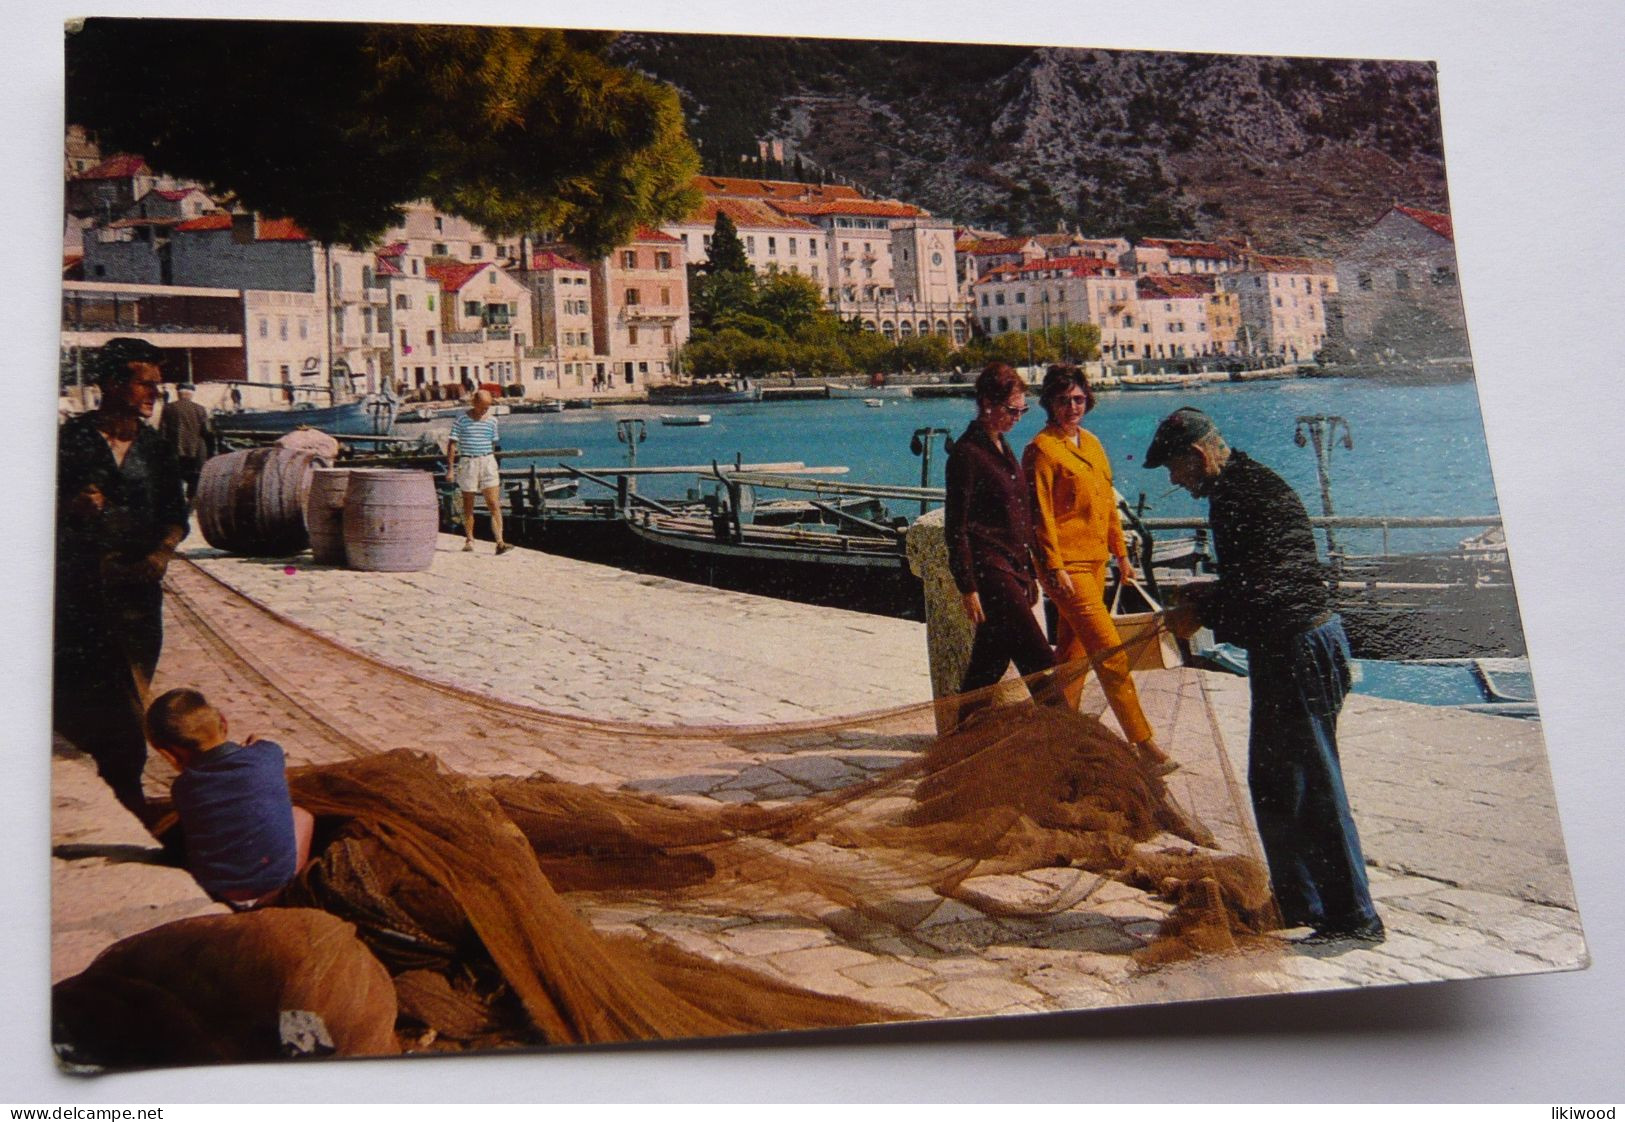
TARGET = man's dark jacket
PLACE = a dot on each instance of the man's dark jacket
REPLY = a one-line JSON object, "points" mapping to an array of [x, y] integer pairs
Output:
{"points": [[1271, 583]]}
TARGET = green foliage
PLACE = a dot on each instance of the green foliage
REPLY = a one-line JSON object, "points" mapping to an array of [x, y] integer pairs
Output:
{"points": [[727, 252], [789, 299], [515, 129]]}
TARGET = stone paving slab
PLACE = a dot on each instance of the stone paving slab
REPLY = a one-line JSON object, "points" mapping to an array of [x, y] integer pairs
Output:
{"points": [[1456, 809], [107, 881]]}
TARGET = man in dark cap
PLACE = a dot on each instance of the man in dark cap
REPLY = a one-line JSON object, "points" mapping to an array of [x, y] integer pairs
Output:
{"points": [[186, 425], [1271, 598], [120, 514]]}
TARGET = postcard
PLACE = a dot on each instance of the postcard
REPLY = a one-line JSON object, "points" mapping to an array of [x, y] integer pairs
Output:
{"points": [[582, 537]]}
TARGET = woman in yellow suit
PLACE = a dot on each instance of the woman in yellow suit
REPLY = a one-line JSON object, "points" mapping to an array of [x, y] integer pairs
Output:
{"points": [[1075, 529]]}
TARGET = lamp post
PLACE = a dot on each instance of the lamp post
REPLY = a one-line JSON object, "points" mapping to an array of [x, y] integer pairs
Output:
{"points": [[1322, 429], [920, 445]]}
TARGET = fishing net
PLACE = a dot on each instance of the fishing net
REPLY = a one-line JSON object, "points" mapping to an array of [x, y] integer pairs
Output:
{"points": [[504, 896]]}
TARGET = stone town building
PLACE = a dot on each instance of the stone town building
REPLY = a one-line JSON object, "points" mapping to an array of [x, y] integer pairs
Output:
{"points": [[772, 240], [858, 265], [328, 308], [109, 189], [639, 295], [1182, 256], [410, 318], [80, 152], [979, 256], [560, 361], [426, 232], [200, 330], [1076, 245], [484, 326], [1060, 292], [1184, 315], [1398, 292], [1283, 305], [885, 264]]}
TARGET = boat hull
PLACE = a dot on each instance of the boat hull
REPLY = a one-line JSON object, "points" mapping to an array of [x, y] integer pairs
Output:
{"points": [[355, 418]]}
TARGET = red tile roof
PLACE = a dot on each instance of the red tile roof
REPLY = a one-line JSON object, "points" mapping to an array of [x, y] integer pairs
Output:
{"points": [[1271, 263], [859, 208], [270, 229], [1439, 223], [547, 261], [1177, 248], [773, 189], [177, 195], [745, 213], [139, 220], [990, 247], [1071, 266], [647, 234], [385, 267], [1174, 286], [452, 274], [122, 166], [393, 249]]}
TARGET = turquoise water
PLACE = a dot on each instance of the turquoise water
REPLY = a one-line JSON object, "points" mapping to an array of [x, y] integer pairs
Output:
{"points": [[1418, 450]]}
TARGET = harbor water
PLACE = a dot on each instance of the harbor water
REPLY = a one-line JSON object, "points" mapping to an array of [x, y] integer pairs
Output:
{"points": [[1418, 450]]}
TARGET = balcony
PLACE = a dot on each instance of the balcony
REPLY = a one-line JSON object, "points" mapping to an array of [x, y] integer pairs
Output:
{"points": [[483, 335], [659, 313], [361, 296]]}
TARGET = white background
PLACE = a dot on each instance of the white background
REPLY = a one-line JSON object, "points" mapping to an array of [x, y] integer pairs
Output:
{"points": [[1532, 102]]}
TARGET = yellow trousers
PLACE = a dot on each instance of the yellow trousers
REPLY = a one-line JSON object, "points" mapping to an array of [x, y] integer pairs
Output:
{"points": [[1085, 628]]}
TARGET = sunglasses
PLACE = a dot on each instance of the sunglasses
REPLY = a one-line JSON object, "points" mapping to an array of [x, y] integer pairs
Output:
{"points": [[1015, 411], [1074, 399]]}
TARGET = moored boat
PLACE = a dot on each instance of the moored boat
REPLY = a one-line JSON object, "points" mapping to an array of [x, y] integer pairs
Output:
{"points": [[371, 415], [685, 419]]}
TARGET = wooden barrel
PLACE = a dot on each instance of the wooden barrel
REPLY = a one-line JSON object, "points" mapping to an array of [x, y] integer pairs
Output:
{"points": [[391, 520], [253, 502], [324, 514]]}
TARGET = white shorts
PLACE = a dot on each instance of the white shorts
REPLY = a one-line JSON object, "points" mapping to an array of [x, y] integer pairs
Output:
{"points": [[477, 473]]}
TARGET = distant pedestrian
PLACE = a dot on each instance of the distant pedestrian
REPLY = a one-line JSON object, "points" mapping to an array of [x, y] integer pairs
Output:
{"points": [[1271, 598], [190, 431], [121, 511], [472, 465], [988, 524]]}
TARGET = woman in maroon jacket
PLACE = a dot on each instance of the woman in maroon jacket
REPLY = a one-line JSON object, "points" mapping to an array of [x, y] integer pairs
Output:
{"points": [[989, 528]]}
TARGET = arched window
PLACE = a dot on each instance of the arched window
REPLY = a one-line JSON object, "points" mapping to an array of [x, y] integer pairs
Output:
{"points": [[907, 329], [888, 329], [942, 327]]}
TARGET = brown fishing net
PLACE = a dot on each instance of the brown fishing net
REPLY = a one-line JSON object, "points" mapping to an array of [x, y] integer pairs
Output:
{"points": [[511, 899]]}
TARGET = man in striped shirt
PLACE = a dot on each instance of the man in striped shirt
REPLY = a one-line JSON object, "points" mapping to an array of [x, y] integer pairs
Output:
{"points": [[471, 463]]}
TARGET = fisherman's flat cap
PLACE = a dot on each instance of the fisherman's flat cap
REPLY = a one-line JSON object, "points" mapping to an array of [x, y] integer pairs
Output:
{"points": [[1177, 432]]}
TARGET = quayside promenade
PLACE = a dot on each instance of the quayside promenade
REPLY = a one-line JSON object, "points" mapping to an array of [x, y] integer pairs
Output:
{"points": [[1456, 810]]}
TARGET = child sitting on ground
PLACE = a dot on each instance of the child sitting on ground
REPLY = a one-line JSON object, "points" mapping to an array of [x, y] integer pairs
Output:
{"points": [[244, 838]]}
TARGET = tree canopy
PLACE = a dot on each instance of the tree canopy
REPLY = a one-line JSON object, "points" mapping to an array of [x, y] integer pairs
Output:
{"points": [[726, 253], [337, 125]]}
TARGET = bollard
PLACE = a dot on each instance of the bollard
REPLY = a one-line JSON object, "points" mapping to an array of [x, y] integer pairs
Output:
{"points": [[948, 631]]}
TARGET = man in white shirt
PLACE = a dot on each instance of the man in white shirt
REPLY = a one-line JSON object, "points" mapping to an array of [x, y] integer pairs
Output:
{"points": [[472, 465]]}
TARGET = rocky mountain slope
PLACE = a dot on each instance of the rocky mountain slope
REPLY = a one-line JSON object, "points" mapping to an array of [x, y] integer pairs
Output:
{"points": [[1296, 153]]}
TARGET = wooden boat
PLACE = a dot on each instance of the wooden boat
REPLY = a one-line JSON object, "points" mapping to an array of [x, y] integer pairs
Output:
{"points": [[371, 415], [873, 402], [865, 390], [1161, 382], [687, 419], [859, 572]]}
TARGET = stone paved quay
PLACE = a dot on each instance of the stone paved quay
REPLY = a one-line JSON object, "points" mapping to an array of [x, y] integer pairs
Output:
{"points": [[1456, 810]]}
